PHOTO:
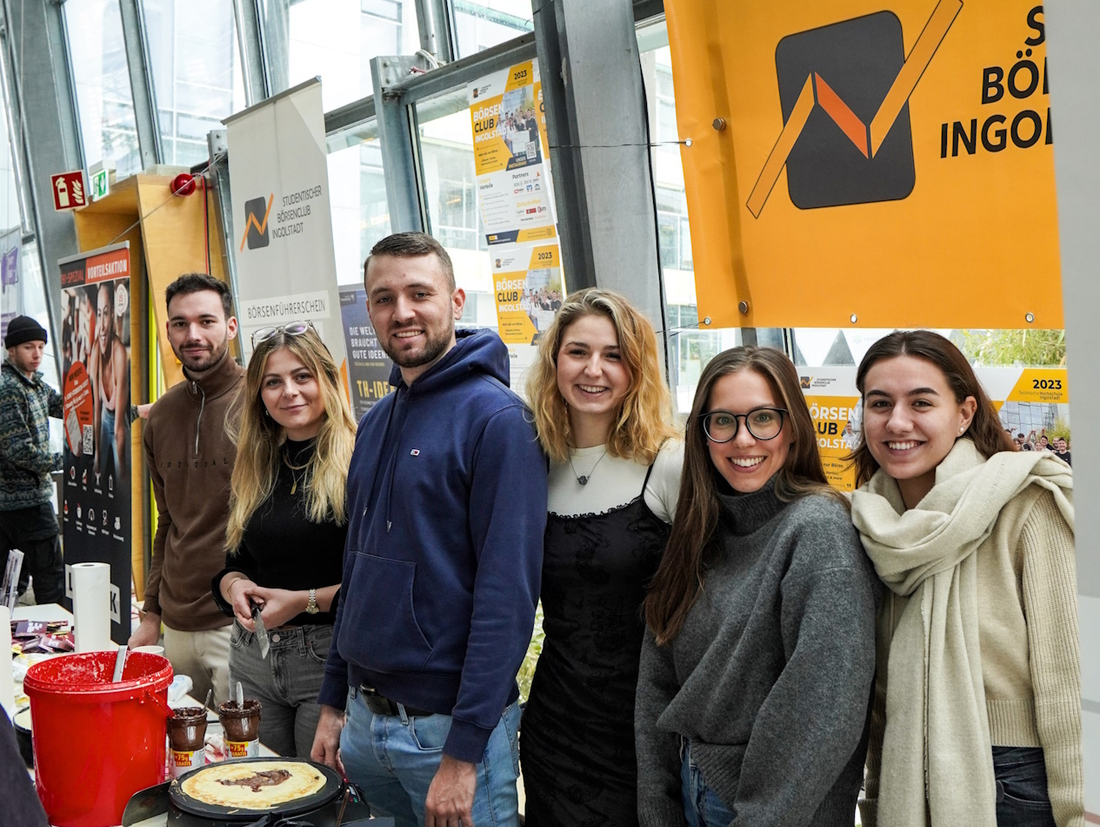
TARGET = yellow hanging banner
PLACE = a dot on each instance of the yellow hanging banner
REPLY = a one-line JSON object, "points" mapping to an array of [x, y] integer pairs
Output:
{"points": [[871, 164]]}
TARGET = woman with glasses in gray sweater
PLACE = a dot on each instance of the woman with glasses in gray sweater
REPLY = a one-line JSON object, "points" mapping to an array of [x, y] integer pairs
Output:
{"points": [[756, 670]]}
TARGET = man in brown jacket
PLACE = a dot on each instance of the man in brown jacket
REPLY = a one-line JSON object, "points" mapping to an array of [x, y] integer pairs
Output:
{"points": [[190, 459]]}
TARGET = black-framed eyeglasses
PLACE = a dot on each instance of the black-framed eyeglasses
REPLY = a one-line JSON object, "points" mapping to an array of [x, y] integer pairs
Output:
{"points": [[763, 423], [290, 329]]}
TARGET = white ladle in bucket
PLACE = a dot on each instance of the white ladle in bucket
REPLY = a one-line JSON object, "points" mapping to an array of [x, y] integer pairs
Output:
{"points": [[120, 664]]}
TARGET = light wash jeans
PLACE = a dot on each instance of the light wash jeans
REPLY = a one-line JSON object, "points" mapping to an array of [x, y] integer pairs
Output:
{"points": [[393, 759], [286, 683], [702, 806]]}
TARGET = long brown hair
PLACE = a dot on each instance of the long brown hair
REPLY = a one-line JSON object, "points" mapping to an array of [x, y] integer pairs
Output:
{"points": [[259, 439], [645, 419], [679, 578], [985, 428]]}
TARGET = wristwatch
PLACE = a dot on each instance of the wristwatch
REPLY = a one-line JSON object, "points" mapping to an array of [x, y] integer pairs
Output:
{"points": [[311, 607]]}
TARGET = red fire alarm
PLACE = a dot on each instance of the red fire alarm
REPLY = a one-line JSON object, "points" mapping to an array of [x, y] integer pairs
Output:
{"points": [[183, 184]]}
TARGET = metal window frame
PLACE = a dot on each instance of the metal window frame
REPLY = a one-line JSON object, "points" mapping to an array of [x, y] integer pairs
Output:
{"points": [[597, 127], [398, 133], [401, 97], [438, 37], [42, 89], [135, 40], [14, 123], [253, 56]]}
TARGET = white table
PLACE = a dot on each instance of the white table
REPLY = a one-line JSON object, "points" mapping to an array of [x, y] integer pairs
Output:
{"points": [[46, 612]]}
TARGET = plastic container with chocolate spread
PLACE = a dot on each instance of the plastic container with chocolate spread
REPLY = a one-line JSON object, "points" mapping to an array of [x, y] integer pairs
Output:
{"points": [[186, 735], [241, 727]]}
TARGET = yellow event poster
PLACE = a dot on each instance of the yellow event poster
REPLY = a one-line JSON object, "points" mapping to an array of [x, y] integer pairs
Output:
{"points": [[513, 182], [1032, 403], [872, 163], [835, 408], [836, 423], [516, 202], [528, 286]]}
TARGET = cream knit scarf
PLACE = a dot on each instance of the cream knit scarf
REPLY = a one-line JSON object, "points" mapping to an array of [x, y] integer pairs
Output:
{"points": [[936, 764]]}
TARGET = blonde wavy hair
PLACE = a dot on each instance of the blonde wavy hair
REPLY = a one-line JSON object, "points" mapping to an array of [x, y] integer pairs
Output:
{"points": [[645, 419], [259, 439]]}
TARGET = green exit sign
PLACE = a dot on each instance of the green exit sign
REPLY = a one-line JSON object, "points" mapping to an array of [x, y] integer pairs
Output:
{"points": [[100, 185]]}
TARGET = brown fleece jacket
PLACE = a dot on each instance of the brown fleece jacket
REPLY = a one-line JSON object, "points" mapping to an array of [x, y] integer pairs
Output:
{"points": [[190, 459]]}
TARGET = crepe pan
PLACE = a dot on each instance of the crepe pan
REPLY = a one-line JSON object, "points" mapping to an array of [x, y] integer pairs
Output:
{"points": [[334, 786]]}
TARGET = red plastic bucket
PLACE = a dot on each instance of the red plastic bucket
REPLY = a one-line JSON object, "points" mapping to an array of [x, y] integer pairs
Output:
{"points": [[96, 743]]}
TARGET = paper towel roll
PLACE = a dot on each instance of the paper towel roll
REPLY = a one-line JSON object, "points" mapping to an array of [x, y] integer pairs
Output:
{"points": [[7, 681], [92, 606]]}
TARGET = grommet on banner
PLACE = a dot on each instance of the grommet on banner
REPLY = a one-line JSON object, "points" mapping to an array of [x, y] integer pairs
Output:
{"points": [[1030, 317], [743, 307], [706, 320], [183, 184], [854, 318]]}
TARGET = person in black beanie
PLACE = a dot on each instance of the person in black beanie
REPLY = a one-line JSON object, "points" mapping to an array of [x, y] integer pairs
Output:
{"points": [[27, 520]]}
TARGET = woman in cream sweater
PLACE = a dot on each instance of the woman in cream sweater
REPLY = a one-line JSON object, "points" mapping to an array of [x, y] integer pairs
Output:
{"points": [[977, 707]]}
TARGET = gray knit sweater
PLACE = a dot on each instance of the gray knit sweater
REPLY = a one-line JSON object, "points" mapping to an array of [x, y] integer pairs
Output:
{"points": [[770, 676]]}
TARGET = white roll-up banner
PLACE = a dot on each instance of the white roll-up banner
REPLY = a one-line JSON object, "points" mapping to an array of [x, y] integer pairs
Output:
{"points": [[282, 221]]}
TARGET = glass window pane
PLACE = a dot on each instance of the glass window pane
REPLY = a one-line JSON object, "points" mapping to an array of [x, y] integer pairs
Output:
{"points": [[668, 229], [196, 72], [103, 97], [34, 298], [686, 261], [690, 349], [485, 23], [447, 149], [385, 9], [816, 347], [336, 39], [360, 213], [822, 346], [9, 193], [1018, 348]]}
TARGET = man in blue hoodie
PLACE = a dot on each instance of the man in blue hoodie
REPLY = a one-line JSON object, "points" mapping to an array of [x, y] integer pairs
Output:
{"points": [[447, 507]]}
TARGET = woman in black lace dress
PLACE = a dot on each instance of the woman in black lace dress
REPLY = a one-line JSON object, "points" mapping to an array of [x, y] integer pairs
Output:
{"points": [[604, 417]]}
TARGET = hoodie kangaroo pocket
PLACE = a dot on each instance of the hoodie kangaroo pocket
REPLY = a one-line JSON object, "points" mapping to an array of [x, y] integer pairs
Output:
{"points": [[380, 620]]}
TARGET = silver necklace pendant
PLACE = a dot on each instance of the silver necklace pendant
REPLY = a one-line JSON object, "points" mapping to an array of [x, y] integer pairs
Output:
{"points": [[583, 480]]}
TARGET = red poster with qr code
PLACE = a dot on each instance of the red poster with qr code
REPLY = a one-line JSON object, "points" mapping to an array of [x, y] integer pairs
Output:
{"points": [[98, 474]]}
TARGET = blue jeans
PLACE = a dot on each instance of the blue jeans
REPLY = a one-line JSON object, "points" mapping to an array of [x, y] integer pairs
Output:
{"points": [[1022, 798], [702, 806], [286, 683], [393, 759]]}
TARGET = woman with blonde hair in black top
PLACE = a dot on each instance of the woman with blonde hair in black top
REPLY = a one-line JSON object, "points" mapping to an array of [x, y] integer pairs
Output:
{"points": [[287, 526]]}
